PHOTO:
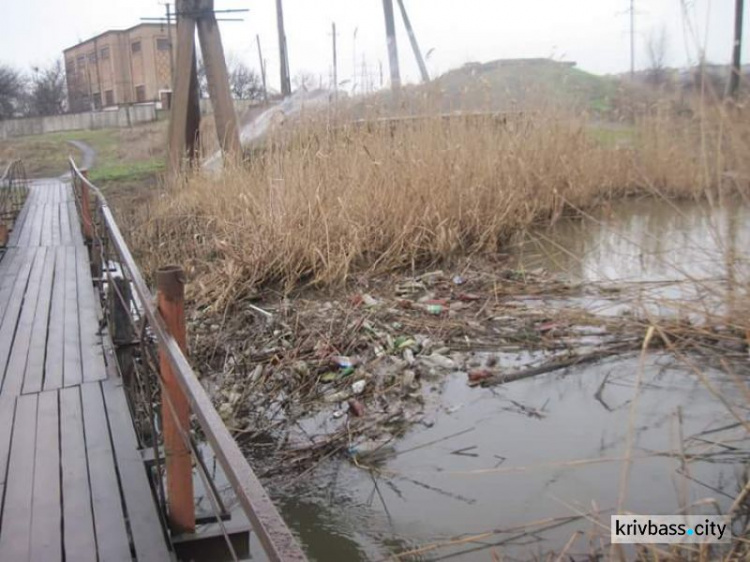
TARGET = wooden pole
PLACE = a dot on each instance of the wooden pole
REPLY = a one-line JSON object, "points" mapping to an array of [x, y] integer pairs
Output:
{"points": [[390, 32], [170, 283], [286, 84], [335, 62], [218, 82], [734, 79], [262, 70], [179, 115], [414, 43]]}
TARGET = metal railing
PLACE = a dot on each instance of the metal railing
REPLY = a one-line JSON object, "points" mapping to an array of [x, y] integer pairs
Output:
{"points": [[13, 190], [174, 416]]}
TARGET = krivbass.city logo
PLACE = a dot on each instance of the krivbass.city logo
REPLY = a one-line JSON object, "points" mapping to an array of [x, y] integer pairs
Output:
{"points": [[670, 529]]}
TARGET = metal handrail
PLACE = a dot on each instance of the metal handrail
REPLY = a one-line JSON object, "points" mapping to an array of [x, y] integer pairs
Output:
{"points": [[13, 190], [275, 537]]}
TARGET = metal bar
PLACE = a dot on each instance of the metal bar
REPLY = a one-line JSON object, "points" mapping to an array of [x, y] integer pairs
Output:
{"points": [[276, 539], [180, 498]]}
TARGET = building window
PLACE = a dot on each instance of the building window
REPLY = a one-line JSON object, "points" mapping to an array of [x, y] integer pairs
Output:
{"points": [[136, 47], [162, 44], [70, 66], [140, 94], [104, 53], [81, 62], [97, 101], [109, 98], [92, 57]]}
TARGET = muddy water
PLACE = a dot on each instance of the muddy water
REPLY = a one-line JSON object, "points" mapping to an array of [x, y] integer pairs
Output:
{"points": [[511, 469]]}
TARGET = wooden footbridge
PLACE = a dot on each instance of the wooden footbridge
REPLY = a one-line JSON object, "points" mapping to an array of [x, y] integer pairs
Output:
{"points": [[105, 431]]}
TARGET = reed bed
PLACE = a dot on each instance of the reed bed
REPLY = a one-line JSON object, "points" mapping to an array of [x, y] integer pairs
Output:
{"points": [[332, 200]]}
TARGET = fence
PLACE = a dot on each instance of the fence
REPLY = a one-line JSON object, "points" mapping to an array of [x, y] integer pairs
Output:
{"points": [[12, 196], [121, 117], [163, 390]]}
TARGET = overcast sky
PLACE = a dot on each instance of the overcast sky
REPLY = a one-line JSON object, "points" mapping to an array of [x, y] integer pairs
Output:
{"points": [[594, 33]]}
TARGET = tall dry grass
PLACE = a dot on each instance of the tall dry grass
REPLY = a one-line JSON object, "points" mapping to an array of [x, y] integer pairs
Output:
{"points": [[325, 202]]}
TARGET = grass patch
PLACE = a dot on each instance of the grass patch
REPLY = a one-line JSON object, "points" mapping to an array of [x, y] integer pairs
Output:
{"points": [[122, 155]]}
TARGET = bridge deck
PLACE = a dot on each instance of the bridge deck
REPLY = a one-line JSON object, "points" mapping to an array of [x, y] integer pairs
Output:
{"points": [[73, 485]]}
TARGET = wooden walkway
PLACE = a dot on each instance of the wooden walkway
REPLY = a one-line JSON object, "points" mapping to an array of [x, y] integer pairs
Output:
{"points": [[73, 485]]}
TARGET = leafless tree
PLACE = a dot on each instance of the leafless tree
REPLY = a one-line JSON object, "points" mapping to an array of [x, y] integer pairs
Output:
{"points": [[12, 91], [657, 47], [304, 81], [47, 95], [244, 83]]}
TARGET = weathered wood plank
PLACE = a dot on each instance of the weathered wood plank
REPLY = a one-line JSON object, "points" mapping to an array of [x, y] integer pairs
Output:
{"points": [[92, 354], [19, 353], [46, 514], [79, 535], [53, 366], [75, 224], [36, 226], [145, 525], [7, 409], [66, 234], [56, 234], [34, 377], [46, 234], [15, 526], [12, 311], [72, 369], [109, 520]]}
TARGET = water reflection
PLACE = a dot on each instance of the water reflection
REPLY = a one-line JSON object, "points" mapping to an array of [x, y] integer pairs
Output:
{"points": [[551, 448]]}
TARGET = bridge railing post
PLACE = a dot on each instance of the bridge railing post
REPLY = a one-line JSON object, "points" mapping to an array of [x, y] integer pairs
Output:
{"points": [[175, 410]]}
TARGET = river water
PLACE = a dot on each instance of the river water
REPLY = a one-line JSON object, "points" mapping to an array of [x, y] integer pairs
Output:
{"points": [[524, 468]]}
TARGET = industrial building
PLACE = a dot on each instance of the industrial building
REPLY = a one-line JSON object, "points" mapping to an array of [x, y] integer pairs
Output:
{"points": [[120, 67]]}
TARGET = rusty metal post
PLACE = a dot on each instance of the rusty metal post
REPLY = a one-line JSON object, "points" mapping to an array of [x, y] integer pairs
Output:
{"points": [[123, 335], [170, 283], [3, 235]]}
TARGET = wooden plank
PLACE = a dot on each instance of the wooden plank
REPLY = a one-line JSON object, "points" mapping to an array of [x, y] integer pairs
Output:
{"points": [[46, 515], [19, 353], [18, 225], [15, 301], [92, 354], [56, 235], [7, 409], [24, 236], [53, 367], [79, 535], [66, 234], [47, 226], [145, 524], [15, 525], [109, 520], [37, 224], [72, 369], [34, 377], [75, 224]]}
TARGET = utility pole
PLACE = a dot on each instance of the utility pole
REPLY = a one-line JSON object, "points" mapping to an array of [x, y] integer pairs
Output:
{"points": [[286, 84], [184, 120], [736, 73], [390, 32], [632, 40], [335, 62], [171, 45], [414, 43], [262, 70]]}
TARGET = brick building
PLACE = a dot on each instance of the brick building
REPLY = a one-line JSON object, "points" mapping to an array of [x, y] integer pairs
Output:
{"points": [[119, 67]]}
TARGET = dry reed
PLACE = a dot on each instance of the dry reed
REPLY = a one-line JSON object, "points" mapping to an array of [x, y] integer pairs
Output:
{"points": [[324, 203]]}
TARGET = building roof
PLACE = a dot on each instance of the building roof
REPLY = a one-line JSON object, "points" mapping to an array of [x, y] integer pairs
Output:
{"points": [[128, 30]]}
